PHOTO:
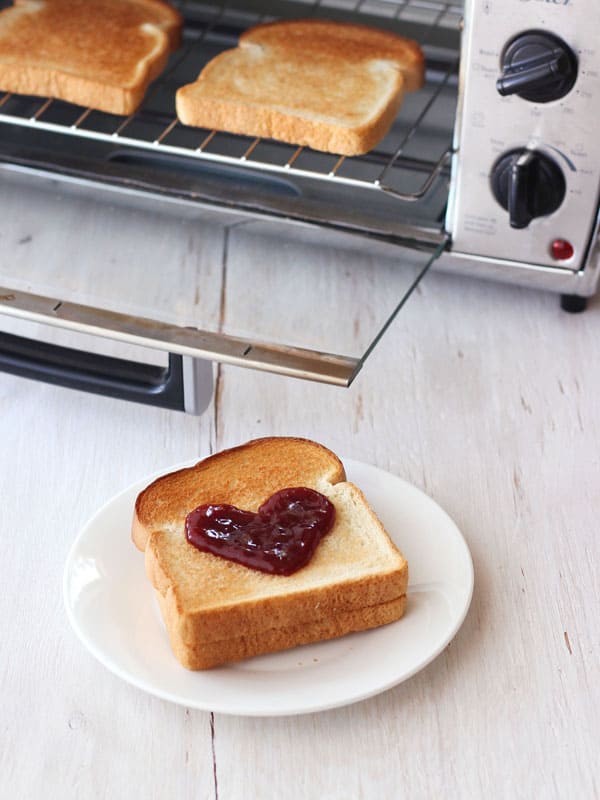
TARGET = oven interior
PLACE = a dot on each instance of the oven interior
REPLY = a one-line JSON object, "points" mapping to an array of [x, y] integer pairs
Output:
{"points": [[178, 208]]}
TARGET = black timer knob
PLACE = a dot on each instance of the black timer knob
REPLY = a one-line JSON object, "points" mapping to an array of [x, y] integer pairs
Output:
{"points": [[528, 184], [537, 66]]}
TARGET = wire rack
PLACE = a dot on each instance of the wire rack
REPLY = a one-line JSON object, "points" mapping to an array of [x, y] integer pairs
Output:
{"points": [[405, 165]]}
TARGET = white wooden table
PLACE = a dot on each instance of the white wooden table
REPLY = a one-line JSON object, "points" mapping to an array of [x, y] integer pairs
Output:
{"points": [[486, 397]]}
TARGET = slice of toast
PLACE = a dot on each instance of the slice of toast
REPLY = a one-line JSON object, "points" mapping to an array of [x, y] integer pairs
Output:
{"points": [[216, 610], [100, 54], [331, 86]]}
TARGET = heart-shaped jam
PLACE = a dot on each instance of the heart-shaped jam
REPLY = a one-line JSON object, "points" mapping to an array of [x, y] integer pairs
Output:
{"points": [[279, 539]]}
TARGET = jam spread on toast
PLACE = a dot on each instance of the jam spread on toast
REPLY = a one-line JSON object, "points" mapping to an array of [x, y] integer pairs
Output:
{"points": [[279, 539]]}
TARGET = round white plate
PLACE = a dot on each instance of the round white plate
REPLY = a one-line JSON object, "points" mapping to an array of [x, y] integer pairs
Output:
{"points": [[111, 606]]}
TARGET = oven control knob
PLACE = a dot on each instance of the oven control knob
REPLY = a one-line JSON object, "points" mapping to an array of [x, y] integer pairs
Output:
{"points": [[537, 66], [528, 184]]}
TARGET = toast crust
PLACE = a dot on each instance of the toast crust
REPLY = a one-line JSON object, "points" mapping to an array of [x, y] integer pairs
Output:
{"points": [[95, 53], [331, 86], [212, 654], [216, 610]]}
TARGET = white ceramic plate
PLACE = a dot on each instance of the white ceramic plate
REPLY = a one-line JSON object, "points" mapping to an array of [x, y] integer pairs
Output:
{"points": [[112, 608]]}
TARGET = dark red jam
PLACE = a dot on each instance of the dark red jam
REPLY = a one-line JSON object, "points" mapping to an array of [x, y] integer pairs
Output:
{"points": [[279, 539]]}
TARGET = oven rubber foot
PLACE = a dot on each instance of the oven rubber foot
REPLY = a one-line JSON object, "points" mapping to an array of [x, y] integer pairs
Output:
{"points": [[573, 303]]}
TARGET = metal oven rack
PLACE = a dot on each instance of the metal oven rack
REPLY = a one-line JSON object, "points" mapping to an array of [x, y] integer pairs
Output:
{"points": [[398, 191], [155, 128]]}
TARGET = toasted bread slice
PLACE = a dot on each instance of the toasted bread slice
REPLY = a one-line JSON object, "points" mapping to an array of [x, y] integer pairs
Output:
{"points": [[216, 610], [329, 85], [101, 54]]}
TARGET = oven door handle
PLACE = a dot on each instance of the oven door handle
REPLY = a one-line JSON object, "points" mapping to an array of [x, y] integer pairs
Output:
{"points": [[106, 375]]}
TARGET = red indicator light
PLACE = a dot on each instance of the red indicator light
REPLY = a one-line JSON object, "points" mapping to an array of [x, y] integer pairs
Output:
{"points": [[561, 250]]}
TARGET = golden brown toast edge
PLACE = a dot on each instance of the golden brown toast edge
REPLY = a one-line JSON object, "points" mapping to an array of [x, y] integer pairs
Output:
{"points": [[195, 635], [213, 654]]}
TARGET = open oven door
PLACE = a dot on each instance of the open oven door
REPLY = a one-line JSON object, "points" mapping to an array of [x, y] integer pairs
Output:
{"points": [[85, 272]]}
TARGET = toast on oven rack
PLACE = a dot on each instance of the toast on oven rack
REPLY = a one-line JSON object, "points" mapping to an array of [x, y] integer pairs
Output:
{"points": [[215, 610], [331, 86], [100, 54]]}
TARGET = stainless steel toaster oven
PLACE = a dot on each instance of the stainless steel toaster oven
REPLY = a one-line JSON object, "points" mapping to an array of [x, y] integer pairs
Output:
{"points": [[139, 230]]}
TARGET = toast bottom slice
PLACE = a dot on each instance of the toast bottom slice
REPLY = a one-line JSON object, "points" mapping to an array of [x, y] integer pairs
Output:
{"points": [[216, 653]]}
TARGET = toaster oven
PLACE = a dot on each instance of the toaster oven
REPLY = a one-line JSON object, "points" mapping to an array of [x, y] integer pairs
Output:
{"points": [[138, 231]]}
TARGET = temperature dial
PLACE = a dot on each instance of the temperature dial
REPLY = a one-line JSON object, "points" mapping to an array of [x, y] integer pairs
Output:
{"points": [[528, 184], [537, 66]]}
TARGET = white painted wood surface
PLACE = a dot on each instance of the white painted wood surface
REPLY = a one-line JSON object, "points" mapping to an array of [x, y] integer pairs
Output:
{"points": [[484, 396]]}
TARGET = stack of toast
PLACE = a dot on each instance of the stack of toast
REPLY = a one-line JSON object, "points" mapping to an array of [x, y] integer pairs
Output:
{"points": [[216, 610]]}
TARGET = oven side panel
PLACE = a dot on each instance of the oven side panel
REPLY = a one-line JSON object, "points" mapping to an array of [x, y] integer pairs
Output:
{"points": [[490, 125]]}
